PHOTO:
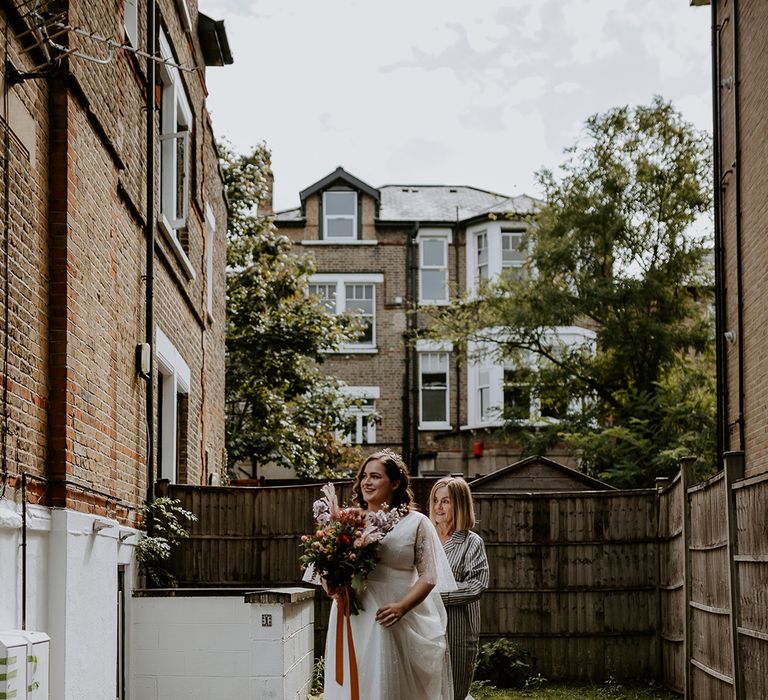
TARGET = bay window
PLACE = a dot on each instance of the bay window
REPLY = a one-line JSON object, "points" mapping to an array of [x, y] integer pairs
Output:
{"points": [[494, 250]]}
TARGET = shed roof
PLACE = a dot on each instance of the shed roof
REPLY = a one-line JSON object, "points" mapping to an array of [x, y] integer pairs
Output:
{"points": [[537, 474]]}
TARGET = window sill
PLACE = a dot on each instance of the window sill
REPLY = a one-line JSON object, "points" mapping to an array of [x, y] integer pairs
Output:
{"points": [[482, 426], [526, 422], [352, 350], [427, 302], [434, 426], [356, 350], [338, 242], [173, 241]]}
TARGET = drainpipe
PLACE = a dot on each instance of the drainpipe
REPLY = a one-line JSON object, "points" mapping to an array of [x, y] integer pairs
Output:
{"points": [[720, 309], [407, 357], [457, 360], [412, 327], [150, 253], [23, 550], [739, 249]]}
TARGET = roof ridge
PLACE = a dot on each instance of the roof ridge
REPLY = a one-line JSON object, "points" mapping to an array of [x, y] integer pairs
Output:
{"points": [[466, 187]]}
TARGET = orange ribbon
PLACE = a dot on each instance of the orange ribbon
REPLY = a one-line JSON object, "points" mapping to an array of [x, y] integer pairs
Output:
{"points": [[343, 613]]}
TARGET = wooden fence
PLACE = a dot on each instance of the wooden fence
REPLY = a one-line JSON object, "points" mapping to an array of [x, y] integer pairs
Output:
{"points": [[713, 584], [573, 579], [650, 583]]}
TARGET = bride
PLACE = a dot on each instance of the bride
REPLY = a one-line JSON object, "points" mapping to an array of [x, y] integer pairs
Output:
{"points": [[399, 635]]}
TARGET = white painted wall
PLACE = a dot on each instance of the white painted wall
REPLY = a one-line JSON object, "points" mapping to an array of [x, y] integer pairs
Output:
{"points": [[71, 592], [189, 647]]}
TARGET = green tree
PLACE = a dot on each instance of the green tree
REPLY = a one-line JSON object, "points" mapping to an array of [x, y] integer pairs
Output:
{"points": [[280, 407], [612, 249]]}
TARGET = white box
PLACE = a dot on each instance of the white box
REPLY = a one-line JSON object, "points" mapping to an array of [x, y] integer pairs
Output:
{"points": [[13, 666], [38, 655]]}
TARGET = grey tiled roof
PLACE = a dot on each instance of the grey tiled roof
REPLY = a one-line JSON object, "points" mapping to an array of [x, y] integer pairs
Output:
{"points": [[289, 215], [444, 203]]}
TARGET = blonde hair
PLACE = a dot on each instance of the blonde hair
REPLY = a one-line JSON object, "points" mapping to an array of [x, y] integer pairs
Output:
{"points": [[462, 508]]}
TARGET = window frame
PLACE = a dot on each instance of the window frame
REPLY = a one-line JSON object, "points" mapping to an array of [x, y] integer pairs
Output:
{"points": [[365, 416], [513, 264], [429, 354], [210, 239], [431, 235], [346, 217], [131, 21], [342, 281], [174, 375], [175, 110], [478, 276], [494, 232]]}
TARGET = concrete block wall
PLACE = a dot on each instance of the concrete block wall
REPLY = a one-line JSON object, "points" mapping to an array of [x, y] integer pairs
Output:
{"points": [[190, 645]]}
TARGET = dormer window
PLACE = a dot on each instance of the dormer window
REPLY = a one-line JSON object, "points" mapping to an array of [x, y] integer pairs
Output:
{"points": [[340, 215]]}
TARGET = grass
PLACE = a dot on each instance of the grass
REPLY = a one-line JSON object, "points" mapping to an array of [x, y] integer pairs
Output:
{"points": [[540, 689]]}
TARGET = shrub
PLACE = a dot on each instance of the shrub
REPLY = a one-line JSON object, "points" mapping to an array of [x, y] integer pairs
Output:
{"points": [[504, 664], [153, 552]]}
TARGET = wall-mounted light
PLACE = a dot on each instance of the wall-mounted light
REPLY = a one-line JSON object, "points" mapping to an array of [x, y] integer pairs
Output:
{"points": [[730, 336]]}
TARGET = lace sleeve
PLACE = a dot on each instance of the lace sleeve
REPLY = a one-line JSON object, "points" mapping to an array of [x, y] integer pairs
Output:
{"points": [[429, 558]]}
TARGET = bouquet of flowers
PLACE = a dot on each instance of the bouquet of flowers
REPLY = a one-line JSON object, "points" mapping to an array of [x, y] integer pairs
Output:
{"points": [[343, 548]]}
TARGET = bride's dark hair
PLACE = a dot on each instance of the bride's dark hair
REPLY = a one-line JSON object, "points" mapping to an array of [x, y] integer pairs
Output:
{"points": [[396, 471]]}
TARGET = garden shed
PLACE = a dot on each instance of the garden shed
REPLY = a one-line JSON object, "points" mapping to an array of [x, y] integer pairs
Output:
{"points": [[536, 474]]}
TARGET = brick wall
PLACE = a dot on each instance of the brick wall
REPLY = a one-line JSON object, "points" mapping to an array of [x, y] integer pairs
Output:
{"points": [[76, 184], [752, 25]]}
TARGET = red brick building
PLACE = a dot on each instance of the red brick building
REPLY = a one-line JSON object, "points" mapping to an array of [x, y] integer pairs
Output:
{"points": [[113, 236], [740, 63], [389, 254]]}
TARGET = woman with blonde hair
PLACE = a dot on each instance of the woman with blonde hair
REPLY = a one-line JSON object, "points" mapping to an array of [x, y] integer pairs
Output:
{"points": [[452, 511]]}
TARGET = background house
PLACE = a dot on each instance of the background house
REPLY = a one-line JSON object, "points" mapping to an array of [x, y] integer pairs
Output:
{"points": [[389, 254], [103, 249]]}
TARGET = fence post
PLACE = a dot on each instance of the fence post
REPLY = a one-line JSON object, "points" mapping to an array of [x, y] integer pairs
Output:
{"points": [[734, 470], [687, 479]]}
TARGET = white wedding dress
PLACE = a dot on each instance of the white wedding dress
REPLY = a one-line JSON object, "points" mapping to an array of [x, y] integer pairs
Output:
{"points": [[408, 661]]}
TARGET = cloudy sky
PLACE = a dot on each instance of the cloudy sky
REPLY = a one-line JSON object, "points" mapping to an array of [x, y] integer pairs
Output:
{"points": [[481, 93]]}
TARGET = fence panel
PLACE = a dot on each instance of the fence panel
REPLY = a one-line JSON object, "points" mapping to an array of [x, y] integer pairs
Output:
{"points": [[709, 606], [672, 586], [751, 505], [573, 579]]}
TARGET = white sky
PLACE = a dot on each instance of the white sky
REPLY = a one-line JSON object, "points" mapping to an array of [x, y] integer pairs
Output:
{"points": [[460, 92]]}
